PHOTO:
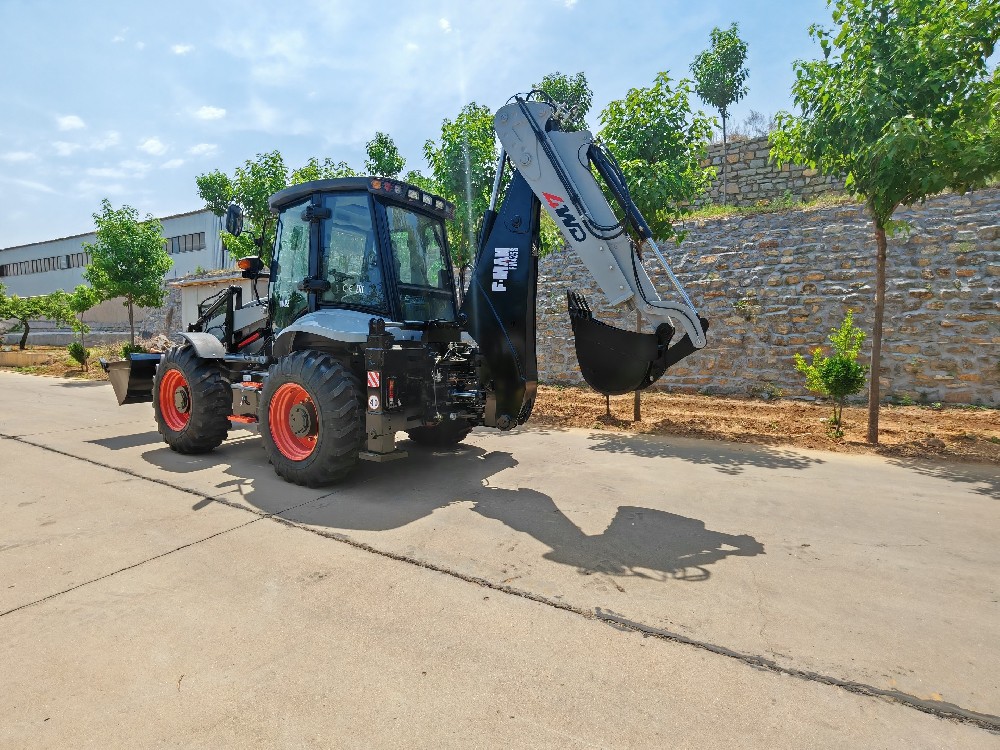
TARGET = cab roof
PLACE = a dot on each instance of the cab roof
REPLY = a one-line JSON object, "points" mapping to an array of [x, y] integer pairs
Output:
{"points": [[389, 188]]}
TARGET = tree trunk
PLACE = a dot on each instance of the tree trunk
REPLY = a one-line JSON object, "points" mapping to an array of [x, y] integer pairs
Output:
{"points": [[876, 362], [24, 334], [725, 153], [131, 321], [637, 404]]}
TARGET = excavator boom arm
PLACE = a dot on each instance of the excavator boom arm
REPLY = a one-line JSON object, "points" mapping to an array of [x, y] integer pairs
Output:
{"points": [[553, 172]]}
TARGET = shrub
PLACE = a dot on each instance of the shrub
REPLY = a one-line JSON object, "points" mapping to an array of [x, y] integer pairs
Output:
{"points": [[80, 353], [133, 349], [840, 375]]}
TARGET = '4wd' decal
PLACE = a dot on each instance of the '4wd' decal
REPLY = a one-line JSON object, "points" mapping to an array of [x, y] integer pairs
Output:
{"points": [[568, 219]]}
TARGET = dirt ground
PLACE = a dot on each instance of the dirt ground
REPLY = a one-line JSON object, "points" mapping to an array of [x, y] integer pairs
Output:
{"points": [[967, 433], [962, 433]]}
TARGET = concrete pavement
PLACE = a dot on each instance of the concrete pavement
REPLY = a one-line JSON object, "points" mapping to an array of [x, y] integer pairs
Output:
{"points": [[489, 569]]}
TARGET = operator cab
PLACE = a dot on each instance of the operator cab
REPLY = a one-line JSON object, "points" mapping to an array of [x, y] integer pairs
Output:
{"points": [[366, 244]]}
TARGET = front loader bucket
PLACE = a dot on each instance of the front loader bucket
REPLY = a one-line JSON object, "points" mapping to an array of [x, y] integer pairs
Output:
{"points": [[132, 378], [614, 361]]}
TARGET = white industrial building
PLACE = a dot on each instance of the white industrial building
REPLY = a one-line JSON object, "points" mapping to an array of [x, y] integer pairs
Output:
{"points": [[192, 239]]}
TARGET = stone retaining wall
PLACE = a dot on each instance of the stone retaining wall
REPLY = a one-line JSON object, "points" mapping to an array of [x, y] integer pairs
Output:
{"points": [[752, 179], [778, 283]]}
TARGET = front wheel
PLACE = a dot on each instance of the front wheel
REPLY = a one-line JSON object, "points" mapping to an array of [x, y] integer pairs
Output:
{"points": [[191, 401], [310, 419]]}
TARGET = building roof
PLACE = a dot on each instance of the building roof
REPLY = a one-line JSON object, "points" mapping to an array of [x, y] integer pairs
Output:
{"points": [[84, 234]]}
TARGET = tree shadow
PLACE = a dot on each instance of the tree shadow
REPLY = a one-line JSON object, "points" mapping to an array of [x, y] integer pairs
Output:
{"points": [[728, 458], [639, 541], [984, 479]]}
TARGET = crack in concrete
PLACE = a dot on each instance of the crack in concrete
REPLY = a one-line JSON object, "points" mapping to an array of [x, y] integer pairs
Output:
{"points": [[939, 709]]}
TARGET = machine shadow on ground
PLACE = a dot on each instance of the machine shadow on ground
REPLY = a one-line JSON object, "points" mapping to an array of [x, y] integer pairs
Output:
{"points": [[727, 458], [642, 542]]}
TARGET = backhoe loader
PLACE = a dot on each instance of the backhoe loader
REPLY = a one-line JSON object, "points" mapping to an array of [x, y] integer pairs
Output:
{"points": [[361, 335]]}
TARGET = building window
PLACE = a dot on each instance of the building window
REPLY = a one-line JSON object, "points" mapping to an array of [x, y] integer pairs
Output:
{"points": [[185, 243]]}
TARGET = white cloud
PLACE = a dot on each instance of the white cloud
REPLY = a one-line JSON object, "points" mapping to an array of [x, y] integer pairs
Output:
{"points": [[153, 146], [13, 156], [120, 36], [135, 168], [111, 138], [570, 4], [203, 149], [182, 49], [107, 172], [262, 116], [445, 25], [89, 188], [70, 122], [172, 164], [63, 148], [210, 113], [140, 46], [412, 47], [29, 184]]}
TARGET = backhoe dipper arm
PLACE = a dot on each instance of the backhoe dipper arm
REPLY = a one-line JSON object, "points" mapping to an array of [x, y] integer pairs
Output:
{"points": [[556, 165]]}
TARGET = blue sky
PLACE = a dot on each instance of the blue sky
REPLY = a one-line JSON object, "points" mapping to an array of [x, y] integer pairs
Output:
{"points": [[131, 101]]}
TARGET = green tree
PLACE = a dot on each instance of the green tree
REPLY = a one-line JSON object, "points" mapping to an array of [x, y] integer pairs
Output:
{"points": [[463, 164], [839, 376], [251, 186], [128, 259], [383, 157], [720, 79], [659, 144], [572, 95], [903, 105], [26, 310], [314, 169], [80, 301]]}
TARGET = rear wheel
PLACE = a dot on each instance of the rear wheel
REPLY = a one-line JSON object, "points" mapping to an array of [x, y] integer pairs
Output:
{"points": [[442, 435], [191, 401], [310, 419]]}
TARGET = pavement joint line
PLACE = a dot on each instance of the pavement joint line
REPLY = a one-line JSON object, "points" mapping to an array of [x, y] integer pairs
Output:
{"points": [[939, 709], [260, 516], [74, 429]]}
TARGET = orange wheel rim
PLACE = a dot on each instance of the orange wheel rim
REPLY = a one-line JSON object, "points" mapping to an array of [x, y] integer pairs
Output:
{"points": [[293, 421], [175, 400]]}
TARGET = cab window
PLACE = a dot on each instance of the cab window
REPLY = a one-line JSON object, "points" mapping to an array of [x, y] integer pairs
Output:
{"points": [[292, 256], [420, 253], [349, 260]]}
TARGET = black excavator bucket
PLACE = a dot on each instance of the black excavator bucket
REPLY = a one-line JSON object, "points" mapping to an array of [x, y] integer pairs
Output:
{"points": [[614, 361], [132, 378]]}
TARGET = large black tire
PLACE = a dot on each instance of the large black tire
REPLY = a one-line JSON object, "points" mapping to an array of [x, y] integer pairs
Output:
{"points": [[311, 419], [442, 435], [191, 401]]}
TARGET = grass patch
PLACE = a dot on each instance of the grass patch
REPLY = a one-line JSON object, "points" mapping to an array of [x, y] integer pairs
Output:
{"points": [[775, 205]]}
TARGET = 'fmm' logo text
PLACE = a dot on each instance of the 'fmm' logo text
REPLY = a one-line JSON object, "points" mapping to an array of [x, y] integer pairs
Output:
{"points": [[504, 261]]}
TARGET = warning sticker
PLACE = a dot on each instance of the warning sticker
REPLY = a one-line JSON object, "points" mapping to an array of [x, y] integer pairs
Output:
{"points": [[373, 403], [374, 378]]}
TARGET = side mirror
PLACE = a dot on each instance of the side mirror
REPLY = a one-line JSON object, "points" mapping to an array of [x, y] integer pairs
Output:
{"points": [[234, 220]]}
